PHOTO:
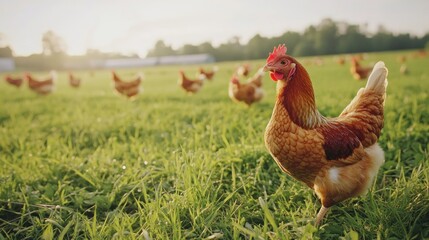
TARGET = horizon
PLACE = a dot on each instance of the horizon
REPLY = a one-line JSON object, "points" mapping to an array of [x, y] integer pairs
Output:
{"points": [[133, 27]]}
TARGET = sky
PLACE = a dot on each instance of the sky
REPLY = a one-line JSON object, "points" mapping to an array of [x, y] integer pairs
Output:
{"points": [[133, 26]]}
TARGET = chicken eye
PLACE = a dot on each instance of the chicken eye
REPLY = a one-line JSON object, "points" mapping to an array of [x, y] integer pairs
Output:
{"points": [[282, 62]]}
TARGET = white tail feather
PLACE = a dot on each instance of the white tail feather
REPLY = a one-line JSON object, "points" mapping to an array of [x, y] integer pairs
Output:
{"points": [[53, 75], [202, 77], [377, 81], [140, 75]]}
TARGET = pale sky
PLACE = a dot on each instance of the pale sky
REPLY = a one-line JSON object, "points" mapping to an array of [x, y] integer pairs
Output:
{"points": [[133, 26]]}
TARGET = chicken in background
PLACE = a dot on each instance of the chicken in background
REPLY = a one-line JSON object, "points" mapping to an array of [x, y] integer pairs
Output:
{"points": [[191, 85], [74, 81], [421, 53], [130, 88], [341, 60], [243, 70], [402, 59], [403, 69], [359, 72], [15, 81], [336, 157], [249, 92], [42, 87], [209, 74]]}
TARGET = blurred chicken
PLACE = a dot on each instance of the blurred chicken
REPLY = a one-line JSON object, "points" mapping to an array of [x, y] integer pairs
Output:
{"points": [[336, 157], [421, 53], [17, 81], [359, 57], [243, 70], [249, 92], [402, 59], [404, 69], [208, 74], [74, 81], [359, 72], [191, 85], [341, 60], [42, 87], [129, 89]]}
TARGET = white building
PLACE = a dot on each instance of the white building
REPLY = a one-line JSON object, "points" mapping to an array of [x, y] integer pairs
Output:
{"points": [[7, 64], [138, 62], [153, 61], [186, 59], [129, 62]]}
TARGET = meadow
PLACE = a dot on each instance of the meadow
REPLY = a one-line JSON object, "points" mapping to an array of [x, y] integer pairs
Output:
{"points": [[89, 164]]}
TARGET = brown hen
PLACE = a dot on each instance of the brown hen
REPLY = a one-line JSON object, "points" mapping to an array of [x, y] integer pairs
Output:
{"points": [[131, 88], [249, 92], [337, 157]]}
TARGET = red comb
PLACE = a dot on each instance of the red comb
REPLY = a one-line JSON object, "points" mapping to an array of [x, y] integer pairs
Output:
{"points": [[277, 51]]}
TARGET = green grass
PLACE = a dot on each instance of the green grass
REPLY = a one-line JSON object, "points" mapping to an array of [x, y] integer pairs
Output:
{"points": [[86, 163]]}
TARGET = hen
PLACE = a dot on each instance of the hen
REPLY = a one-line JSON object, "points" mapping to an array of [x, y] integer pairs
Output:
{"points": [[337, 157], [191, 85], [243, 70], [403, 69], [17, 81], [42, 87], [249, 92], [358, 71], [207, 73], [74, 81], [341, 60], [129, 89]]}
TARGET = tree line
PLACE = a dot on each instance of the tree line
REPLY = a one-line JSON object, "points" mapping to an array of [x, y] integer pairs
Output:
{"points": [[327, 37]]}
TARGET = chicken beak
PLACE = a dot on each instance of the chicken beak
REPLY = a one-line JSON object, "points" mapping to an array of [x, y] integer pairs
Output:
{"points": [[267, 68]]}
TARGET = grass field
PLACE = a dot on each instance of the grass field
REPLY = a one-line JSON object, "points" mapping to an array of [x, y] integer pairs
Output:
{"points": [[86, 163]]}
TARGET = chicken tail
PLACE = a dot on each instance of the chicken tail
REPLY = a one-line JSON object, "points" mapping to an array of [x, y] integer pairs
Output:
{"points": [[54, 75], [140, 76], [377, 81], [202, 77]]}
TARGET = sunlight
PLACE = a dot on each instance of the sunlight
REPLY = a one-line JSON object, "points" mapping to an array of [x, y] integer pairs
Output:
{"points": [[134, 26]]}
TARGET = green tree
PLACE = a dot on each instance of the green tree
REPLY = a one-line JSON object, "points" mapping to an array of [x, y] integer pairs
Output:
{"points": [[326, 37], [291, 39], [306, 46], [5, 50], [53, 44], [189, 49], [257, 47], [161, 49], [353, 40], [402, 41], [231, 50], [206, 47], [381, 41]]}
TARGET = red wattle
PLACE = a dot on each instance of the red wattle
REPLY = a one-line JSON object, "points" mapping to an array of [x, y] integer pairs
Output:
{"points": [[273, 77]]}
